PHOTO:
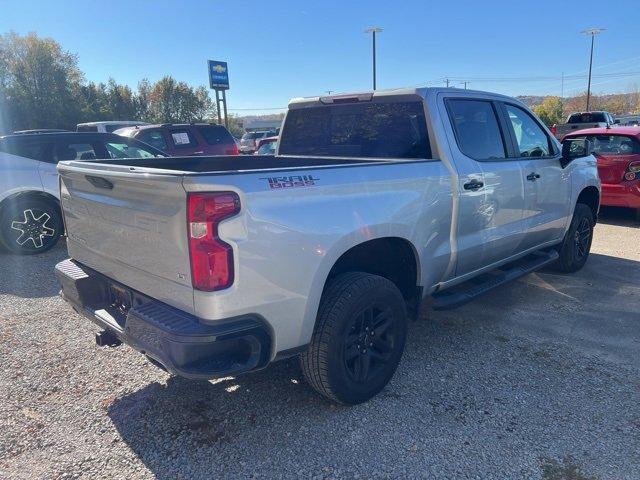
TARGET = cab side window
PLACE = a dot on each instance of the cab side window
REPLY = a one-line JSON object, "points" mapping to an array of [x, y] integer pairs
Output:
{"points": [[182, 139], [476, 128], [531, 139]]}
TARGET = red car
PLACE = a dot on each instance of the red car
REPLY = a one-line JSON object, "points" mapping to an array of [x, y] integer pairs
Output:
{"points": [[180, 140], [618, 153]]}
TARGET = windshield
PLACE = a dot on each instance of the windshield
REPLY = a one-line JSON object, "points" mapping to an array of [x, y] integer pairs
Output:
{"points": [[382, 130], [268, 148], [588, 117]]}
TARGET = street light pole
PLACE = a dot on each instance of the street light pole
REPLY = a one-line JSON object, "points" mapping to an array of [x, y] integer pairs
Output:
{"points": [[592, 32], [373, 31]]}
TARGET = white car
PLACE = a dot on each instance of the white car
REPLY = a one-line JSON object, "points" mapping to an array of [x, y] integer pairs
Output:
{"points": [[30, 219], [108, 126]]}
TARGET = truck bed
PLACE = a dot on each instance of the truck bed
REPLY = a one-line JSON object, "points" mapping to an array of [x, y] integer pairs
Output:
{"points": [[225, 164]]}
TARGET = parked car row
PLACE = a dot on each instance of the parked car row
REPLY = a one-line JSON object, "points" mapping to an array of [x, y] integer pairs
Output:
{"points": [[184, 139], [250, 141]]}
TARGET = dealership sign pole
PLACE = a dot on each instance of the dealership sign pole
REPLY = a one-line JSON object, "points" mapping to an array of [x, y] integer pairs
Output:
{"points": [[219, 81]]}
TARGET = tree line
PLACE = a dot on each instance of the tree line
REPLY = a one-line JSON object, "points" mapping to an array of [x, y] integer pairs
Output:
{"points": [[556, 110], [41, 86]]}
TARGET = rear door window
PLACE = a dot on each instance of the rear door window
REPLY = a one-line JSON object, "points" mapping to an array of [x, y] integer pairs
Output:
{"points": [[476, 128], [215, 134], [182, 139], [153, 138], [375, 130], [74, 151]]}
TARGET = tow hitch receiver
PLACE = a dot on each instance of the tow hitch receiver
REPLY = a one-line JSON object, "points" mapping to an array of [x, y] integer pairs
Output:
{"points": [[106, 338]]}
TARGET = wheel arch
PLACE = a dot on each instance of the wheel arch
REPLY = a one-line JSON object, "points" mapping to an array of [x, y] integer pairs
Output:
{"points": [[29, 194], [360, 255], [393, 258], [590, 196]]}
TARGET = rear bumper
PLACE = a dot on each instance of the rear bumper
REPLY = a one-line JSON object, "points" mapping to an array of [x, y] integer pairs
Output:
{"points": [[176, 339], [624, 194]]}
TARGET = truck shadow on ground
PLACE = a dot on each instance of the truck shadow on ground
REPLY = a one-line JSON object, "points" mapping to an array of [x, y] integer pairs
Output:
{"points": [[521, 369], [625, 217], [31, 276]]}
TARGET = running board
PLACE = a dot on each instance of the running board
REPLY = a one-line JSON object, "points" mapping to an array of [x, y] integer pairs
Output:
{"points": [[465, 292]]}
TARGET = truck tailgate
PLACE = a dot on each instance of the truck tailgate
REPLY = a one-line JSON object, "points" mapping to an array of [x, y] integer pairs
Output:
{"points": [[129, 225]]}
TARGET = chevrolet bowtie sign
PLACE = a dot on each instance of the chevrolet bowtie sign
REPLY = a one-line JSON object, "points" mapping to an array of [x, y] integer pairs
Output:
{"points": [[218, 75]]}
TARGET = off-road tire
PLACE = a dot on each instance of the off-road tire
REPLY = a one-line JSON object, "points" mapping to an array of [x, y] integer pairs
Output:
{"points": [[574, 250], [344, 309]]}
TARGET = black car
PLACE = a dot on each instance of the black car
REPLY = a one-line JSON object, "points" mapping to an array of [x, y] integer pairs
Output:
{"points": [[30, 218]]}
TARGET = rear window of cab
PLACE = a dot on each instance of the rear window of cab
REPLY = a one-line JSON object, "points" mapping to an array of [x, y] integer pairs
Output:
{"points": [[369, 130]]}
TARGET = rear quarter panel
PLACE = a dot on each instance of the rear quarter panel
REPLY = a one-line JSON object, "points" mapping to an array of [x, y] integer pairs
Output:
{"points": [[18, 174], [286, 240]]}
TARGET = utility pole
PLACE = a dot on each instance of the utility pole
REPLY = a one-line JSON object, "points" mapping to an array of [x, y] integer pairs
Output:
{"points": [[329, 92], [562, 86], [373, 31], [592, 32], [465, 84], [446, 81]]}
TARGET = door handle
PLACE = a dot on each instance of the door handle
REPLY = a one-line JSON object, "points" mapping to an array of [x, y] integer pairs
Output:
{"points": [[473, 185], [198, 153], [532, 177]]}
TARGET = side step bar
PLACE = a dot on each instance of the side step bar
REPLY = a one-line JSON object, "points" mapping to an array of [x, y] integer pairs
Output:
{"points": [[465, 292]]}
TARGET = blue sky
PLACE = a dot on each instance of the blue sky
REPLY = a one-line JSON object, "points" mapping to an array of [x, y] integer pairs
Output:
{"points": [[282, 49]]}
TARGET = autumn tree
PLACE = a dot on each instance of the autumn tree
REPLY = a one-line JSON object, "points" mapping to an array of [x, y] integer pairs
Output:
{"points": [[39, 83], [550, 110]]}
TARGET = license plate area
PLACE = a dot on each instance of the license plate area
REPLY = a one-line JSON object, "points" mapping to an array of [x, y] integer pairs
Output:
{"points": [[120, 301]]}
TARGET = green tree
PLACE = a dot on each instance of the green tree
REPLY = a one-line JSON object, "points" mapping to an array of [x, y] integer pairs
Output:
{"points": [[39, 84], [174, 102], [550, 110], [121, 102]]}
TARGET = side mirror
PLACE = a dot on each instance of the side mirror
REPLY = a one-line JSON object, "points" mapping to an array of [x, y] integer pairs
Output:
{"points": [[573, 148]]}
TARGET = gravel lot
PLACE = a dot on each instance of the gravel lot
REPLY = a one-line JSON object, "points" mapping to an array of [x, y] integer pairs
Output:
{"points": [[539, 379]]}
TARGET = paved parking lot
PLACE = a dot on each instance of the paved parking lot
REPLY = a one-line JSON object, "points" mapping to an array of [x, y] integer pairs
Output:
{"points": [[539, 379]]}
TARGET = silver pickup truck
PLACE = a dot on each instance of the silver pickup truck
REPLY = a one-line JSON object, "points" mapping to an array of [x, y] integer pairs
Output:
{"points": [[374, 204]]}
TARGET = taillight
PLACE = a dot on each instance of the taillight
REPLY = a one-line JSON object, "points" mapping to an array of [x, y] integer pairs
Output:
{"points": [[633, 171], [232, 150], [554, 130], [211, 258]]}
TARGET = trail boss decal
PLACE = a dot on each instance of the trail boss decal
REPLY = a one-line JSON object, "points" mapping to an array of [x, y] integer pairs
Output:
{"points": [[294, 181]]}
